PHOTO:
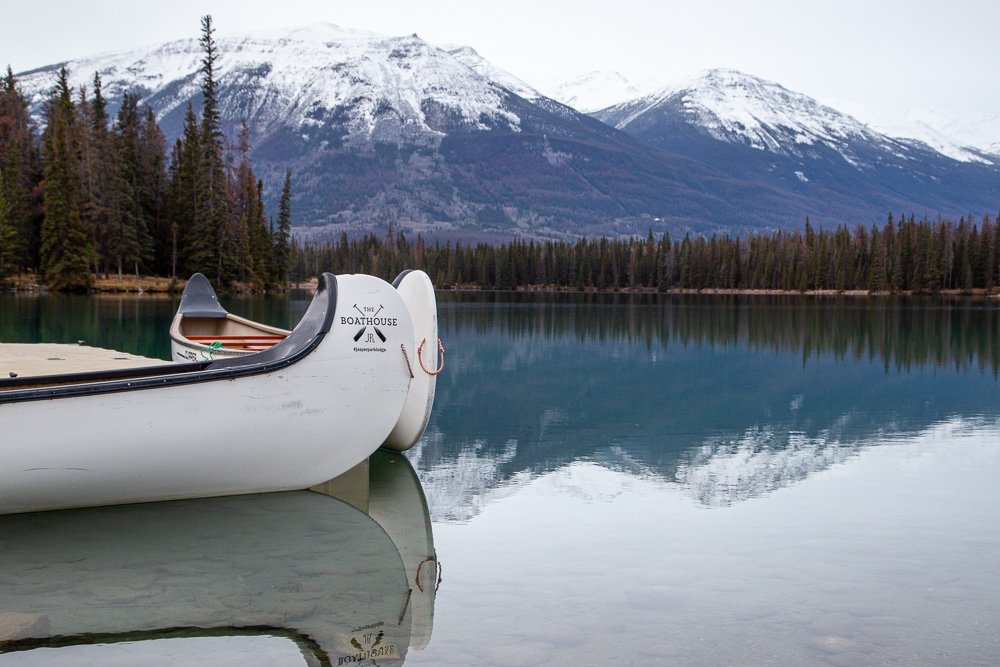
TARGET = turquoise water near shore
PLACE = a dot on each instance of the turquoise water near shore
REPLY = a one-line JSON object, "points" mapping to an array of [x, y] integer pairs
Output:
{"points": [[691, 480]]}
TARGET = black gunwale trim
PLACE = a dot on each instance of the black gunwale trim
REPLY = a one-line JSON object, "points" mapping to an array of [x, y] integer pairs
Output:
{"points": [[314, 325], [399, 278], [301, 639]]}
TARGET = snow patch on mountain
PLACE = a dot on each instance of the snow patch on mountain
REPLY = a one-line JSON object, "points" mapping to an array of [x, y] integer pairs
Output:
{"points": [[471, 59], [298, 74], [739, 108], [960, 136], [596, 90]]}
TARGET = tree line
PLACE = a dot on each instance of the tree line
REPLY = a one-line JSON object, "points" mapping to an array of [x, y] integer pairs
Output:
{"points": [[902, 255], [93, 195]]}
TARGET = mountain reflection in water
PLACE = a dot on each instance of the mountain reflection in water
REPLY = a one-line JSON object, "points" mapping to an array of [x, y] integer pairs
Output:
{"points": [[235, 580], [726, 397]]}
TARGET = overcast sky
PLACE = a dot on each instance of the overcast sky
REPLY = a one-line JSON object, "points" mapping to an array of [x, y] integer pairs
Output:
{"points": [[876, 54]]}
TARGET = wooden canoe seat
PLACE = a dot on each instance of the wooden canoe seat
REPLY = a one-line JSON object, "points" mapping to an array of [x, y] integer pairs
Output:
{"points": [[251, 343]]}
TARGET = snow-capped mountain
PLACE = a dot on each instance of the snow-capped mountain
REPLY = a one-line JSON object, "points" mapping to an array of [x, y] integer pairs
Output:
{"points": [[961, 136], [596, 90], [440, 141], [469, 57], [740, 109], [756, 129], [370, 86]]}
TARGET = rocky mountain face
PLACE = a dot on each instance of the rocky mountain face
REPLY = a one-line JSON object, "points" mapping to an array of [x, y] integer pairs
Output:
{"points": [[437, 140], [757, 130]]}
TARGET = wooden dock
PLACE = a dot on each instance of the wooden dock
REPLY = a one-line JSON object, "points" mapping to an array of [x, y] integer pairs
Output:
{"points": [[25, 360]]}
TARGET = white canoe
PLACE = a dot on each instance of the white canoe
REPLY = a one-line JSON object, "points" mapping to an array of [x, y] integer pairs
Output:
{"points": [[287, 579], [397, 502], [203, 330], [425, 357], [306, 410]]}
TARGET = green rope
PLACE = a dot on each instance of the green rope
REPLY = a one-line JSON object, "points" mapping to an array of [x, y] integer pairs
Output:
{"points": [[211, 350]]}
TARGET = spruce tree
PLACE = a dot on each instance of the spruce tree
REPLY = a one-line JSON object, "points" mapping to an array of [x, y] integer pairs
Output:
{"points": [[244, 189], [130, 240], [65, 251], [20, 177], [213, 202], [8, 236], [282, 250], [191, 246], [261, 247], [94, 158]]}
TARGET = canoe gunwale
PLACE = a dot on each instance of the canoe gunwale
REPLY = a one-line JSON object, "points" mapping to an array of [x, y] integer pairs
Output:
{"points": [[399, 278], [301, 640], [306, 337], [199, 342]]}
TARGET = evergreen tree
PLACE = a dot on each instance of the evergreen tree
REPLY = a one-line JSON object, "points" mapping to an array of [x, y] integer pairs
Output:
{"points": [[282, 247], [129, 239], [190, 244], [8, 236], [96, 163], [20, 177], [65, 251], [213, 221], [153, 171]]}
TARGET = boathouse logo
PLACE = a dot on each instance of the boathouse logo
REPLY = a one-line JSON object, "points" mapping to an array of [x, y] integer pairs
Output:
{"points": [[366, 645], [372, 321]]}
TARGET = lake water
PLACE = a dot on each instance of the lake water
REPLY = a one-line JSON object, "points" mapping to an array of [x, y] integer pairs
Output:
{"points": [[605, 480]]}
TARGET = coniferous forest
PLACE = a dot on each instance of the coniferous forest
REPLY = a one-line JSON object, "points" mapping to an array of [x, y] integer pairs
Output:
{"points": [[900, 255], [93, 195]]}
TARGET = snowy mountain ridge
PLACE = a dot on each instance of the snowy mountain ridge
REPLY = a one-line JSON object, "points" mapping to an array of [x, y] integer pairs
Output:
{"points": [[738, 108], [958, 136], [382, 83], [596, 90]]}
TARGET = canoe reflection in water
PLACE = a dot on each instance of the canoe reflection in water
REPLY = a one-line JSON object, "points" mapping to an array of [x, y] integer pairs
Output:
{"points": [[281, 578]]}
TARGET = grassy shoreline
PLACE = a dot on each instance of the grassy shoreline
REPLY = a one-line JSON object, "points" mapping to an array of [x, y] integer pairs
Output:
{"points": [[129, 284]]}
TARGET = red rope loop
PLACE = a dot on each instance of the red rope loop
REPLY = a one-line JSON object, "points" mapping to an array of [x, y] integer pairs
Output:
{"points": [[420, 359], [407, 357], [437, 563]]}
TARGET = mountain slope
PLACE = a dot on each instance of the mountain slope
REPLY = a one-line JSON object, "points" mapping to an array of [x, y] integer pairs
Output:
{"points": [[964, 137], [754, 129]]}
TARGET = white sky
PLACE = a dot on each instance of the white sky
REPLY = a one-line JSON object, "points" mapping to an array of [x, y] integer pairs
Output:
{"points": [[883, 55]]}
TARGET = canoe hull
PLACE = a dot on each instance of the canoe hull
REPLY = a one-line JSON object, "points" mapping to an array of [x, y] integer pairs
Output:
{"points": [[288, 429], [417, 291], [290, 564]]}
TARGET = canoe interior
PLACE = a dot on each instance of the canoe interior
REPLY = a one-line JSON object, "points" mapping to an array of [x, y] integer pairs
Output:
{"points": [[230, 331]]}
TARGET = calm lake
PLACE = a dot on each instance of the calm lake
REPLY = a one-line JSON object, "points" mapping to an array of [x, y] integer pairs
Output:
{"points": [[605, 480]]}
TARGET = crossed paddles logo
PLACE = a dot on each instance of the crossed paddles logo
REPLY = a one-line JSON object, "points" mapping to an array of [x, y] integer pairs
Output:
{"points": [[361, 333], [369, 317]]}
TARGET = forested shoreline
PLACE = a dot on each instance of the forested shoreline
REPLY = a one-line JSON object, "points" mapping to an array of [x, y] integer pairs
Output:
{"points": [[903, 255], [92, 195]]}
